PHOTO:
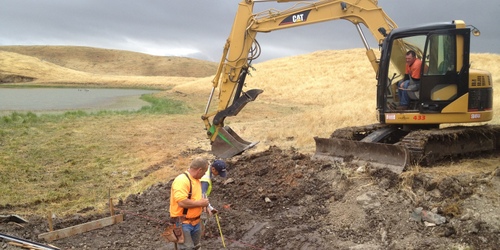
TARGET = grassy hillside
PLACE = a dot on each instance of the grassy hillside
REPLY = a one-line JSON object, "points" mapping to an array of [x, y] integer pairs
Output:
{"points": [[84, 66], [116, 62], [65, 164]]}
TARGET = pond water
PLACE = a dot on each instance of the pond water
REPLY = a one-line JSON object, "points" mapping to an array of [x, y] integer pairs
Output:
{"points": [[49, 100]]}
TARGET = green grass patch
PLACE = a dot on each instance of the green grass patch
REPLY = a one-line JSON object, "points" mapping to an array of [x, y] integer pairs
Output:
{"points": [[162, 106], [72, 159]]}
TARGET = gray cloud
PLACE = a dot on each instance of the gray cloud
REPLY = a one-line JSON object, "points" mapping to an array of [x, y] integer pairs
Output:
{"points": [[199, 28]]}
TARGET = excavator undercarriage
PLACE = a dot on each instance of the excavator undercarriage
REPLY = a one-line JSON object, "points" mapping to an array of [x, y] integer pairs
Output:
{"points": [[392, 147]]}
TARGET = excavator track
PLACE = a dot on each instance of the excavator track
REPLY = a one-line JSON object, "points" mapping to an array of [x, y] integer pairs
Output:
{"points": [[391, 147], [427, 147]]}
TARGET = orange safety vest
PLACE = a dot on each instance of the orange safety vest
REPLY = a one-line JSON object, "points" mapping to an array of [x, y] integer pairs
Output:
{"points": [[180, 191]]}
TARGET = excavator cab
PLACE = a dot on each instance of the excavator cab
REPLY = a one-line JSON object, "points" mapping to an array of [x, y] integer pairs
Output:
{"points": [[450, 92], [440, 80]]}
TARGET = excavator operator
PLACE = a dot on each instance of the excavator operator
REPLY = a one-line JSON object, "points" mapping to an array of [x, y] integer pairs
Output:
{"points": [[411, 81]]}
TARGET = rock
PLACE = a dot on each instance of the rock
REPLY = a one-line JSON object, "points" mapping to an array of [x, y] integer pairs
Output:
{"points": [[361, 169], [383, 235], [416, 215], [432, 217], [227, 181], [449, 232], [428, 224], [435, 193], [419, 214], [473, 227], [367, 200], [467, 215]]}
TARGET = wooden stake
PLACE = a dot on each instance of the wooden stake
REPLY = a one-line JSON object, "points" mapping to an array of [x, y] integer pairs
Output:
{"points": [[49, 218], [111, 208]]}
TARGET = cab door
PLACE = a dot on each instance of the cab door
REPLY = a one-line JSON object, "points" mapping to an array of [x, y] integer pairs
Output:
{"points": [[445, 69]]}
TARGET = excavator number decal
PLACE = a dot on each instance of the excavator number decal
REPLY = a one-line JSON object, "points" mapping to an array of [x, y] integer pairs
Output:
{"points": [[296, 18], [475, 116], [419, 117]]}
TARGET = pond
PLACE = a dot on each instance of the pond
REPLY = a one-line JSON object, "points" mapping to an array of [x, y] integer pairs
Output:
{"points": [[59, 100]]}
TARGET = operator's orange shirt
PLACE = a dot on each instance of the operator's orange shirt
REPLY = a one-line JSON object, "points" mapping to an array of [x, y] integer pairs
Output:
{"points": [[414, 69], [180, 191]]}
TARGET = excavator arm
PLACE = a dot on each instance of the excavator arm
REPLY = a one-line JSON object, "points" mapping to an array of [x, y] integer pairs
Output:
{"points": [[357, 12], [242, 48]]}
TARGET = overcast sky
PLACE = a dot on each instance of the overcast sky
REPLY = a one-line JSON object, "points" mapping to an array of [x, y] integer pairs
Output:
{"points": [[199, 28]]}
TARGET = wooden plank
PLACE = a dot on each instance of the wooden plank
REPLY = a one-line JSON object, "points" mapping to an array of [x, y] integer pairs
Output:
{"points": [[69, 231]]}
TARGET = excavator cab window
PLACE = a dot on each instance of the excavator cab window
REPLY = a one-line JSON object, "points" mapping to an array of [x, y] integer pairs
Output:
{"points": [[397, 66], [440, 57], [440, 80], [398, 53]]}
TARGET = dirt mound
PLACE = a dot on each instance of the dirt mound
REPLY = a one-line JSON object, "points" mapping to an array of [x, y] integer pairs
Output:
{"points": [[282, 199]]}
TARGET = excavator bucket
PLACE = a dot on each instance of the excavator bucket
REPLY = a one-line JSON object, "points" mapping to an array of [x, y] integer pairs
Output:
{"points": [[228, 143], [379, 155]]}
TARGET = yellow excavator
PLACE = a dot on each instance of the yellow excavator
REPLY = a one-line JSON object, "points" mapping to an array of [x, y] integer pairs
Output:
{"points": [[450, 91]]}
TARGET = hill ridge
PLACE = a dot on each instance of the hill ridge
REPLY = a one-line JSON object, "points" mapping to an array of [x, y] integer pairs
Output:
{"points": [[116, 62]]}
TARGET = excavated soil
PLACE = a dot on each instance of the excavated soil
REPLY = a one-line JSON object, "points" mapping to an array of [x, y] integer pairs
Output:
{"points": [[282, 199]]}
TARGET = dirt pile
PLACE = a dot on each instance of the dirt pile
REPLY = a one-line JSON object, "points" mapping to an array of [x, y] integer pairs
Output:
{"points": [[281, 199]]}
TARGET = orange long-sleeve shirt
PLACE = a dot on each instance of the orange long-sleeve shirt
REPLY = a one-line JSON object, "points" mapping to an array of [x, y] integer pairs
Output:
{"points": [[414, 69]]}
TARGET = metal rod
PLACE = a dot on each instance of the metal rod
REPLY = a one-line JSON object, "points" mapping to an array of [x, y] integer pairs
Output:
{"points": [[27, 242], [220, 230], [360, 31], [209, 100]]}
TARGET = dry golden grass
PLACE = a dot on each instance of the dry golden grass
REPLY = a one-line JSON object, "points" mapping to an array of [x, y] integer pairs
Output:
{"points": [[116, 62], [59, 65], [304, 96]]}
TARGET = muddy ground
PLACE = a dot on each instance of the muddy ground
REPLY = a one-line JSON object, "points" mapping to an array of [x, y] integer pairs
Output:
{"points": [[282, 199]]}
